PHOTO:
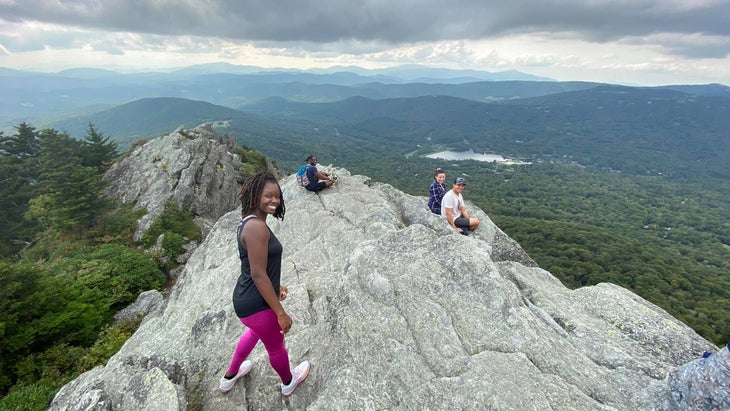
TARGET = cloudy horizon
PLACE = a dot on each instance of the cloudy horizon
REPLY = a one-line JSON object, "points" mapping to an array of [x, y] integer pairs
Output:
{"points": [[642, 42]]}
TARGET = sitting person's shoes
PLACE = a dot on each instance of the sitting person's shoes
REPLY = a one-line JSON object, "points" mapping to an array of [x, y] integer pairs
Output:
{"points": [[297, 376], [228, 383], [465, 232]]}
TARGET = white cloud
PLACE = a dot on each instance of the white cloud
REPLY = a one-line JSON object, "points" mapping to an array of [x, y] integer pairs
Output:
{"points": [[644, 41]]}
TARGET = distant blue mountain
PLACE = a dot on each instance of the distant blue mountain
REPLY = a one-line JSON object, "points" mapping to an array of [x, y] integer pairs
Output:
{"points": [[148, 118], [43, 97], [716, 90], [88, 73], [416, 73]]}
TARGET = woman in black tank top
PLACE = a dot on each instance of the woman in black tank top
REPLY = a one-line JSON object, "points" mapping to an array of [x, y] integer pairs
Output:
{"points": [[258, 293]]}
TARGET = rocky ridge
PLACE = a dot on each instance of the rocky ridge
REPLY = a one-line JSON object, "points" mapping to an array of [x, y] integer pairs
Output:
{"points": [[395, 311], [194, 168]]}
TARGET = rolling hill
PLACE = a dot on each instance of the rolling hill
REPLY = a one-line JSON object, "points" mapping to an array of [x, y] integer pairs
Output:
{"points": [[631, 130], [642, 131], [151, 117], [43, 97]]}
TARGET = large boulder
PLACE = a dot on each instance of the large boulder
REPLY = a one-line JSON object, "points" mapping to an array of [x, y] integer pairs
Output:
{"points": [[702, 384], [196, 169], [395, 310]]}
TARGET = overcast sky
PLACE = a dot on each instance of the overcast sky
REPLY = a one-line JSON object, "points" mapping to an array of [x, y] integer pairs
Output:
{"points": [[648, 42]]}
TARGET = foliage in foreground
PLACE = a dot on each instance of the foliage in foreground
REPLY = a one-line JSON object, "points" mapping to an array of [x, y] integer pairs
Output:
{"points": [[76, 265], [176, 226], [67, 263], [61, 364]]}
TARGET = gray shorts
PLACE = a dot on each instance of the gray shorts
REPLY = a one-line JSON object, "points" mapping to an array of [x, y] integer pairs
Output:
{"points": [[462, 222]]}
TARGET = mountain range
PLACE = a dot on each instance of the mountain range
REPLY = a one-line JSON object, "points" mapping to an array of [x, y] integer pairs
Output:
{"points": [[627, 129], [42, 98]]}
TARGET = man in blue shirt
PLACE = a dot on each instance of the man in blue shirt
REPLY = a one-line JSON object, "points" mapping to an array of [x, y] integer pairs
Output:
{"points": [[315, 176]]}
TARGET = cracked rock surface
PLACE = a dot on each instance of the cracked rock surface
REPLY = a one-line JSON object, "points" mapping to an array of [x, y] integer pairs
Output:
{"points": [[395, 311]]}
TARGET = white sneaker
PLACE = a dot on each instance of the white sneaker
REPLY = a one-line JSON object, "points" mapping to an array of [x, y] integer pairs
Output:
{"points": [[297, 375], [227, 384]]}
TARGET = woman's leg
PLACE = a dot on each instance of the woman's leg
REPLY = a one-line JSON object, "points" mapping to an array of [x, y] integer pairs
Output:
{"points": [[266, 326], [244, 347]]}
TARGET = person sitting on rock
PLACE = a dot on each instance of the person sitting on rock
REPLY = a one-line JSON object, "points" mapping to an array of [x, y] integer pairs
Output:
{"points": [[454, 210], [318, 180], [436, 191]]}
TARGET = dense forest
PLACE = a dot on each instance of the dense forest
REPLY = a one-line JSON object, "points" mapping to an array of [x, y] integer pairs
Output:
{"points": [[68, 262]]}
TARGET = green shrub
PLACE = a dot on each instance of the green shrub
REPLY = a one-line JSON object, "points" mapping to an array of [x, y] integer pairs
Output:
{"points": [[251, 161], [109, 342], [34, 396], [174, 219], [126, 271], [115, 225], [171, 245], [40, 375], [177, 226], [53, 364]]}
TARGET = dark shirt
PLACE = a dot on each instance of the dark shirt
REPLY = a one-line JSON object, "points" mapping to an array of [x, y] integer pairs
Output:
{"points": [[435, 195], [247, 300], [312, 176]]}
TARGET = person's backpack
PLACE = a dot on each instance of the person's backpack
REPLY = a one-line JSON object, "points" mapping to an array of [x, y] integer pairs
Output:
{"points": [[302, 176]]}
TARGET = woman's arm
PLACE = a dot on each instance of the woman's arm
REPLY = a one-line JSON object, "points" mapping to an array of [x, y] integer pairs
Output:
{"points": [[255, 235], [433, 191], [436, 191]]}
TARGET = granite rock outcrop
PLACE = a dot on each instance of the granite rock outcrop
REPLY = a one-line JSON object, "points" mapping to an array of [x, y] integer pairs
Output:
{"points": [[396, 311], [197, 169]]}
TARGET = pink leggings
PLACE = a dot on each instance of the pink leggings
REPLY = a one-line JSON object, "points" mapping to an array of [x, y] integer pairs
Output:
{"points": [[263, 326]]}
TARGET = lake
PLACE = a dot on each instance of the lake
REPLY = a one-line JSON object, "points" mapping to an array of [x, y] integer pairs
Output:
{"points": [[471, 155]]}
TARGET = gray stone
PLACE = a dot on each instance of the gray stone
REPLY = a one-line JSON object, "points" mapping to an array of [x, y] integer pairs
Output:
{"points": [[145, 303], [395, 310], [703, 384], [85, 393], [194, 168], [152, 391], [188, 249]]}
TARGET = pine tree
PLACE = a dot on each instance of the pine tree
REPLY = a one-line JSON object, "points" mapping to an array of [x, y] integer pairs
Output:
{"points": [[19, 173], [24, 143], [72, 194], [98, 150]]}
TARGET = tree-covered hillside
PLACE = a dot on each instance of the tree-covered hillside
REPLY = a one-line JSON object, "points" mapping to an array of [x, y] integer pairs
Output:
{"points": [[149, 118], [68, 262], [41, 98], [631, 130]]}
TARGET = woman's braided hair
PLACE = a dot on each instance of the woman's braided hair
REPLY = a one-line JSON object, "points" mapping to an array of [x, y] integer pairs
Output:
{"points": [[251, 190]]}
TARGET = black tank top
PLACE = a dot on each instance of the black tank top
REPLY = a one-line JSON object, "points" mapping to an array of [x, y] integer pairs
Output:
{"points": [[247, 299]]}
